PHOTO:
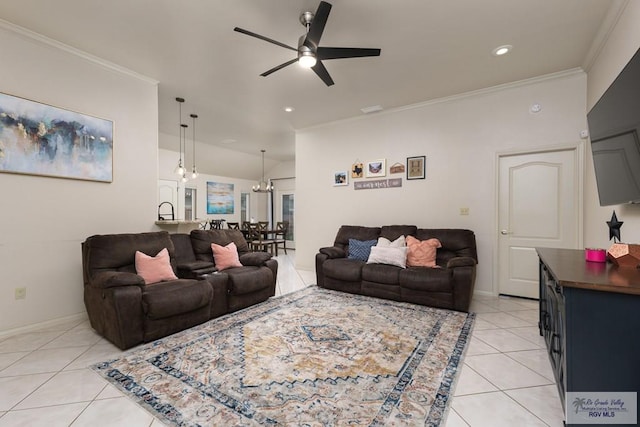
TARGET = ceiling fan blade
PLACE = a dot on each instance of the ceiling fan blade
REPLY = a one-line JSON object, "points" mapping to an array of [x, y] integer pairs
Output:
{"points": [[322, 72], [274, 69], [317, 25], [345, 52], [267, 39]]}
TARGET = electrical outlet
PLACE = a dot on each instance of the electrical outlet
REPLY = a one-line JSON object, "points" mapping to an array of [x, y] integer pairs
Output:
{"points": [[21, 293], [464, 211]]}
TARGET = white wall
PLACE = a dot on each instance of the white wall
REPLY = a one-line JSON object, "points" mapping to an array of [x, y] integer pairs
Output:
{"points": [[460, 138], [622, 44], [44, 220]]}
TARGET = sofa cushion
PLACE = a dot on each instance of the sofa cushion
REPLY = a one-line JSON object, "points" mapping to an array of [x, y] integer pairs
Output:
{"points": [[347, 232], [426, 279], [422, 253], [116, 252], [392, 232], [360, 249], [168, 299], [225, 256], [245, 280], [202, 240], [156, 268], [400, 242], [388, 255], [455, 243], [381, 273], [349, 270]]}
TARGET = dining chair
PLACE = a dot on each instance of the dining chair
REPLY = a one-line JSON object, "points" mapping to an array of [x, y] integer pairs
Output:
{"points": [[233, 225], [216, 224], [258, 238], [282, 227]]}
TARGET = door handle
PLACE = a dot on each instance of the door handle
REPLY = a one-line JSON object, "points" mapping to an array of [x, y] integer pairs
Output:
{"points": [[505, 232]]}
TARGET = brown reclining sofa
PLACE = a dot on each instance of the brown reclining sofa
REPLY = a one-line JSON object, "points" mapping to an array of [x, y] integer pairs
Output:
{"points": [[127, 312]]}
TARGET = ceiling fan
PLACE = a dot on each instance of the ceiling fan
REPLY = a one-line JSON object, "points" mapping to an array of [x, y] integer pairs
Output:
{"points": [[310, 55]]}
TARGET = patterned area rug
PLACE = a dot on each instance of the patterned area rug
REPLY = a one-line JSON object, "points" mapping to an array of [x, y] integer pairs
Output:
{"points": [[314, 358]]}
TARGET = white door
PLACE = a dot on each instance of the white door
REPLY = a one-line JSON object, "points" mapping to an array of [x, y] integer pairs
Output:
{"points": [[539, 205]]}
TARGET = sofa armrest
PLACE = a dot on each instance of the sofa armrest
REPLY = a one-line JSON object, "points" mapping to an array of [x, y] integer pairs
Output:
{"points": [[333, 252], [461, 261], [195, 269], [110, 279], [255, 259]]}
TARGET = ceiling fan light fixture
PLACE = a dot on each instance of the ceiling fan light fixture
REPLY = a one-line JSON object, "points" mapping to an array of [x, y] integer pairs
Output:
{"points": [[307, 60]]}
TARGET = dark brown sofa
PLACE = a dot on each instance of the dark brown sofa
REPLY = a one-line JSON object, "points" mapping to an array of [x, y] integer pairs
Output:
{"points": [[127, 312], [449, 286], [250, 284]]}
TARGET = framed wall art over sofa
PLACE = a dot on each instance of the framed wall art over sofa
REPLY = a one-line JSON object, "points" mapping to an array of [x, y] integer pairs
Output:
{"points": [[39, 139]]}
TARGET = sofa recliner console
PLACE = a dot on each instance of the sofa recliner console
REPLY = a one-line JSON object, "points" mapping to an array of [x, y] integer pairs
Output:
{"points": [[128, 312], [449, 285]]}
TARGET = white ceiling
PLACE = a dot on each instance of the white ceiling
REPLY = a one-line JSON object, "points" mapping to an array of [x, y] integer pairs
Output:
{"points": [[430, 49]]}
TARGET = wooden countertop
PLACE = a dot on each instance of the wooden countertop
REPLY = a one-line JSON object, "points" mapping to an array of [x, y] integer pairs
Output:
{"points": [[570, 269]]}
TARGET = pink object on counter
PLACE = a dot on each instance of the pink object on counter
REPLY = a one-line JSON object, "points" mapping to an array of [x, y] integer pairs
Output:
{"points": [[595, 255]]}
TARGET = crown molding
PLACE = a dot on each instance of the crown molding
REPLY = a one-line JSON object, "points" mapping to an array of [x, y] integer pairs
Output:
{"points": [[609, 23], [44, 40], [471, 94]]}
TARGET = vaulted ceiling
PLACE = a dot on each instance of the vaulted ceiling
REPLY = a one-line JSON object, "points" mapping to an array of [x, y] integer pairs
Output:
{"points": [[430, 49]]}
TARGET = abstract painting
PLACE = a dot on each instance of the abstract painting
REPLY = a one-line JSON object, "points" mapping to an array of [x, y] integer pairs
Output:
{"points": [[220, 198], [39, 139]]}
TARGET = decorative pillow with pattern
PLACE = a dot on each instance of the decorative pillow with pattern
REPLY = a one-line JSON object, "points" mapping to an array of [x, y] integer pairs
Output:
{"points": [[154, 269], [386, 243], [360, 249], [422, 253], [388, 255], [225, 256]]}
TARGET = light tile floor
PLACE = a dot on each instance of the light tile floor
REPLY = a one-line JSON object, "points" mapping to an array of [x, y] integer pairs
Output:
{"points": [[505, 380]]}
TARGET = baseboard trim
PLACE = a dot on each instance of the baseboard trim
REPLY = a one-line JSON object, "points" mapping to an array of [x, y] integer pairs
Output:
{"points": [[42, 325]]}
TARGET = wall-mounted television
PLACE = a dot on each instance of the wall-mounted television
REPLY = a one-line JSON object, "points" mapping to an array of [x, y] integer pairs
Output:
{"points": [[614, 127]]}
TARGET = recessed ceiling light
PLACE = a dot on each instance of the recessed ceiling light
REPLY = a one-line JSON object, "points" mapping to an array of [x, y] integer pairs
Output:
{"points": [[289, 109], [502, 50]]}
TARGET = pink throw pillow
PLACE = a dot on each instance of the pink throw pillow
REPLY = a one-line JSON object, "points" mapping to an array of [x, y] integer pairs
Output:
{"points": [[422, 253], [154, 269], [225, 256]]}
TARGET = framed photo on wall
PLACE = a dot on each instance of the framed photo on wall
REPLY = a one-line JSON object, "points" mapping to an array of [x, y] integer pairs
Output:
{"points": [[416, 167], [376, 168], [356, 170], [340, 178]]}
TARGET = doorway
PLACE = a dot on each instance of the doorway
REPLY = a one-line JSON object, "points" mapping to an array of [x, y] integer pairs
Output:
{"points": [[190, 203], [285, 211], [539, 205]]}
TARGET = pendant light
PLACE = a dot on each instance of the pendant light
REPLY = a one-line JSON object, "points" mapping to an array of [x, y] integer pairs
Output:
{"points": [[180, 168], [263, 186], [183, 135], [194, 170]]}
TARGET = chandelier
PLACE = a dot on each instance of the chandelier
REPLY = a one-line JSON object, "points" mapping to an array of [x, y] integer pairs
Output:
{"points": [[263, 186]]}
